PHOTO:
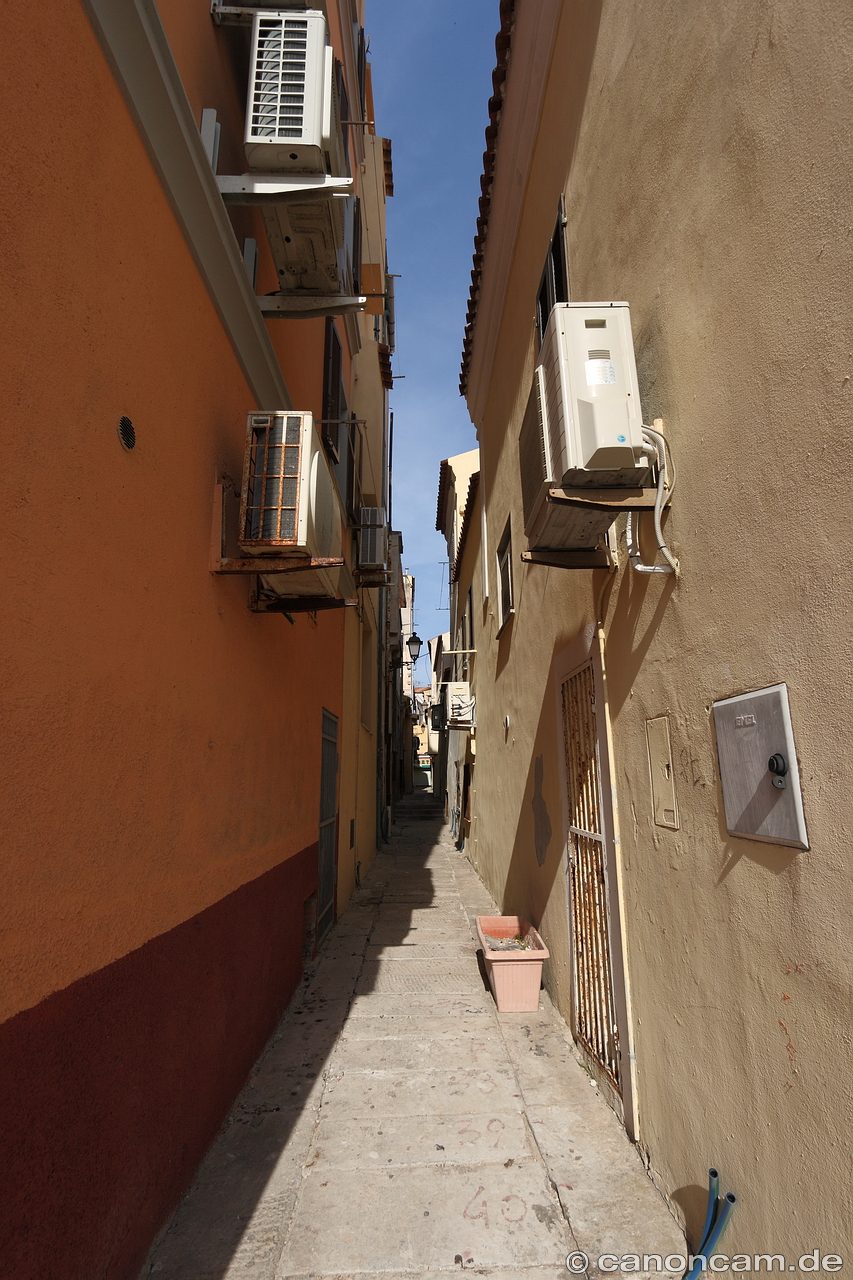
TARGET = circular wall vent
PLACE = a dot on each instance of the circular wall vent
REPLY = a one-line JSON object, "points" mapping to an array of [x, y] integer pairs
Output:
{"points": [[126, 433]]}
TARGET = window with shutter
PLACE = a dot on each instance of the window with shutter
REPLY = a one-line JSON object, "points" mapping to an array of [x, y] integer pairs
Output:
{"points": [[356, 247], [344, 109], [554, 286], [362, 72], [335, 408], [504, 565]]}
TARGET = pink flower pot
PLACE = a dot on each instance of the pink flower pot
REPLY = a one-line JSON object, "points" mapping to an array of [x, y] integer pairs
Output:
{"points": [[514, 976]]}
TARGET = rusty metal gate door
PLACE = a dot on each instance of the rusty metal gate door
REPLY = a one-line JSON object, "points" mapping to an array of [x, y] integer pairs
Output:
{"points": [[328, 826], [596, 1026]]}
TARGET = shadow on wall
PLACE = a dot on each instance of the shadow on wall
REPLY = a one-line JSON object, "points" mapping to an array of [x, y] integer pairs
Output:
{"points": [[249, 1159], [537, 852], [504, 645], [112, 1088], [623, 631], [622, 671], [693, 1203]]}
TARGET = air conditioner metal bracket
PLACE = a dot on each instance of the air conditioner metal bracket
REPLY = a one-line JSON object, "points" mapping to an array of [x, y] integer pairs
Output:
{"points": [[277, 564], [614, 500], [581, 559], [232, 15], [298, 604], [273, 188], [296, 306]]}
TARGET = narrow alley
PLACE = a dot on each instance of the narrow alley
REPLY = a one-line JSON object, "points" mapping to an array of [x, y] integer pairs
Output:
{"points": [[397, 1124]]}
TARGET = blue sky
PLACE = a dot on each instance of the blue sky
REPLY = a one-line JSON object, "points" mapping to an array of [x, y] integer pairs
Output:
{"points": [[432, 69]]}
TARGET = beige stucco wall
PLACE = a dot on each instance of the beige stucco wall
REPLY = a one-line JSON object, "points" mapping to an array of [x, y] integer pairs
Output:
{"points": [[709, 186]]}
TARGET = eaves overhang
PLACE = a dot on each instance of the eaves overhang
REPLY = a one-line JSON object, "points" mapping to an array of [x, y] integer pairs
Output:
{"points": [[445, 475], [473, 486], [503, 42]]}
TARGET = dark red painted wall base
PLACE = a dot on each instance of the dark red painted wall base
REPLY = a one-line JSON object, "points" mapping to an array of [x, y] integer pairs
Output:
{"points": [[112, 1090]]}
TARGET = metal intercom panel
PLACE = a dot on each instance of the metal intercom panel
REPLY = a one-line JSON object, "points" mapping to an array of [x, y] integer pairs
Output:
{"points": [[758, 768]]}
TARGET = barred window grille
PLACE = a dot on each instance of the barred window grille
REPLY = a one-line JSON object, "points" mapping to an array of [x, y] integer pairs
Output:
{"points": [[594, 1003]]}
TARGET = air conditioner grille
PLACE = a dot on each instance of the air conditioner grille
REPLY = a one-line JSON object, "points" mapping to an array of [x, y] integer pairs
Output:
{"points": [[599, 354], [273, 494], [373, 547], [278, 97], [372, 516]]}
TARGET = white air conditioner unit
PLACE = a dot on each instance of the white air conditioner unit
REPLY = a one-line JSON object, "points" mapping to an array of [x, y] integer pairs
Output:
{"points": [[372, 538], [289, 505], [459, 704], [583, 423], [294, 141], [291, 113]]}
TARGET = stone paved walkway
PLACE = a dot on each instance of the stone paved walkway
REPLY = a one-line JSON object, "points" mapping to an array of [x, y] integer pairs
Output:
{"points": [[396, 1125]]}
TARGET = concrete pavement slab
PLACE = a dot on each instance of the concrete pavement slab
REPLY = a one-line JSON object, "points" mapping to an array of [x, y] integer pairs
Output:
{"points": [[425, 1218], [417, 977], [547, 1062], [345, 950], [286, 1091], [448, 911], [375, 1004], [401, 930], [596, 1168], [442, 893], [299, 1041], [490, 1273], [231, 1224], [408, 1054], [456, 936], [336, 982], [427, 950], [421, 897], [410, 1140], [398, 933], [396, 929], [413, 1093], [552, 1272], [474, 1022], [406, 875], [310, 1011], [478, 907]]}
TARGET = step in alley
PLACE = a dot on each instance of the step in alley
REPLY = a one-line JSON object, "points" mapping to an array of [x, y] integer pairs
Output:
{"points": [[397, 1125]]}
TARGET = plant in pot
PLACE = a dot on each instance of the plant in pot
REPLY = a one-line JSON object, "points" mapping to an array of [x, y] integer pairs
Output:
{"points": [[513, 953]]}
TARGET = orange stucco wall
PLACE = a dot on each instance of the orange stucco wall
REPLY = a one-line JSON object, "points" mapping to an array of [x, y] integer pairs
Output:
{"points": [[162, 742]]}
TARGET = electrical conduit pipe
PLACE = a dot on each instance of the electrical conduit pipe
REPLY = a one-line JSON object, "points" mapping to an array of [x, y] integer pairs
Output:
{"points": [[713, 1193], [713, 1239], [656, 441]]}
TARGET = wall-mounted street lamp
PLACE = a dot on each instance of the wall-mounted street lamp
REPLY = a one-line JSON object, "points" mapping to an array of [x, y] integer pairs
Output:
{"points": [[414, 645]]}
